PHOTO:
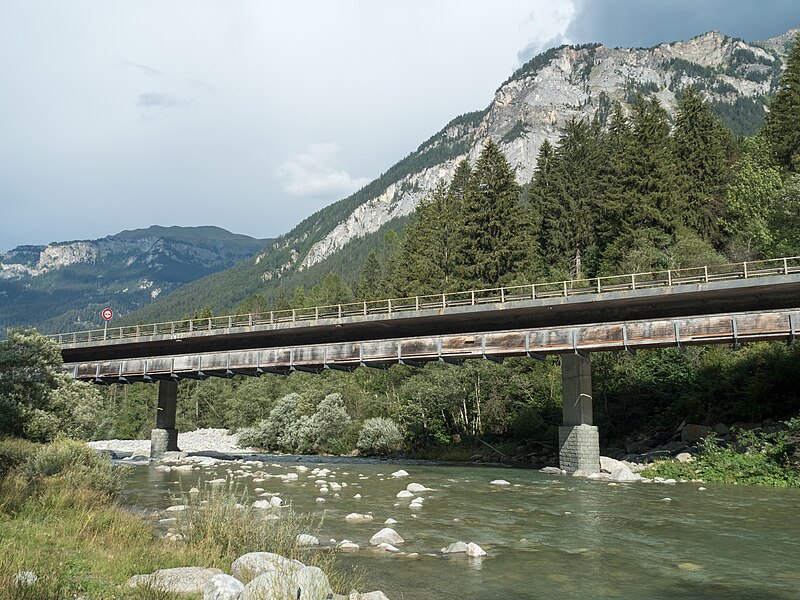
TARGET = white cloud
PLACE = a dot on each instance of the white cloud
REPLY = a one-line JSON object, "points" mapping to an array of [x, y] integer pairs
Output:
{"points": [[547, 26], [315, 173]]}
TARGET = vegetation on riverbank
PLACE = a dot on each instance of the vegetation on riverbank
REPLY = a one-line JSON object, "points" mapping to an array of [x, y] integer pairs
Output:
{"points": [[769, 458], [59, 521]]}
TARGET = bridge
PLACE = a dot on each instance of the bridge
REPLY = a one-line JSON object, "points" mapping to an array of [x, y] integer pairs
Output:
{"points": [[729, 304]]}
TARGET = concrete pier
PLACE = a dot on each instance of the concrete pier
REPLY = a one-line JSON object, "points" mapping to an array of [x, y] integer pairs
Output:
{"points": [[164, 438], [578, 441]]}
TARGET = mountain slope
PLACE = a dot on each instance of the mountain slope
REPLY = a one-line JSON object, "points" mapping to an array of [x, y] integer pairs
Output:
{"points": [[65, 285], [736, 77]]}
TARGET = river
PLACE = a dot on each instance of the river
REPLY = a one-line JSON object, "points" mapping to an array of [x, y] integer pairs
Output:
{"points": [[546, 536]]}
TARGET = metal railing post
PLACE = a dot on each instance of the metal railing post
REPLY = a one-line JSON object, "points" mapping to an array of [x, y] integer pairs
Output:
{"points": [[533, 291], [389, 305], [416, 303], [250, 319], [502, 295], [744, 267], [633, 281], [472, 294], [294, 315], [230, 322], [444, 300], [365, 309], [271, 317], [785, 266], [669, 277], [316, 313], [191, 325], [209, 324], [565, 289], [705, 273], [340, 311], [599, 289]]}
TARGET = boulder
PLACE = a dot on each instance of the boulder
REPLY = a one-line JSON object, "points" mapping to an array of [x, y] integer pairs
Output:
{"points": [[307, 583], [275, 502], [416, 488], [624, 474], [684, 457], [356, 517], [400, 473], [262, 504], [304, 539], [348, 546], [180, 580], [474, 550], [223, 587], [177, 508], [551, 471], [387, 547], [404, 494], [386, 535], [609, 465], [390, 521], [692, 433], [499, 482], [249, 566], [377, 595], [455, 548]]}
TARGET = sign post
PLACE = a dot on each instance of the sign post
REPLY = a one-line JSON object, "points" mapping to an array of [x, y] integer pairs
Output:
{"points": [[107, 315]]}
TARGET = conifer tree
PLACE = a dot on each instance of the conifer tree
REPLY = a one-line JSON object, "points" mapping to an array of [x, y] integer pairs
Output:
{"points": [[701, 161], [493, 241], [570, 192], [783, 121], [427, 246]]}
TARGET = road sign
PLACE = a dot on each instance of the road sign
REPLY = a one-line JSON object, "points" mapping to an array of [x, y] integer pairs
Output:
{"points": [[107, 314]]}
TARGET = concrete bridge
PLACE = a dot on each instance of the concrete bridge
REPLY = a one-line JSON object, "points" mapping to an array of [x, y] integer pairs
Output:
{"points": [[730, 304]]}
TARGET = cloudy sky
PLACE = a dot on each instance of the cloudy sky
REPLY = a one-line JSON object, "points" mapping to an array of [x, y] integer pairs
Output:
{"points": [[251, 115]]}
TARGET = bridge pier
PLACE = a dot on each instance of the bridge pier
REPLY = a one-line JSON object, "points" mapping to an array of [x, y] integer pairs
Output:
{"points": [[578, 441], [164, 438]]}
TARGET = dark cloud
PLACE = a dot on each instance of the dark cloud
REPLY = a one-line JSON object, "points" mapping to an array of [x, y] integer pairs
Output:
{"points": [[159, 100], [638, 23]]}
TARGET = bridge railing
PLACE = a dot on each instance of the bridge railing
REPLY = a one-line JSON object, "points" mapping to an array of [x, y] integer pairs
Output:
{"points": [[500, 295]]}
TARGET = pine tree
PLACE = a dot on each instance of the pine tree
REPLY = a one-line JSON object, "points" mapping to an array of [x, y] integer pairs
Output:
{"points": [[702, 170], [783, 121], [494, 245]]}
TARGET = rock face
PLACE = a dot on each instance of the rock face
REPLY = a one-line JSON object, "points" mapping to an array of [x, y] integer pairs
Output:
{"points": [[181, 580], [536, 101]]}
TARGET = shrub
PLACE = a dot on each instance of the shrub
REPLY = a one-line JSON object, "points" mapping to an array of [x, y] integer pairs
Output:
{"points": [[331, 421], [268, 433], [379, 436], [76, 463], [14, 452]]}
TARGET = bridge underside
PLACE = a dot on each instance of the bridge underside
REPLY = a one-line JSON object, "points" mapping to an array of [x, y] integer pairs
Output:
{"points": [[536, 343]]}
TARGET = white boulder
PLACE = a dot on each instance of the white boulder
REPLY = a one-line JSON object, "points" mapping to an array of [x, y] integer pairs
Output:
{"points": [[249, 566], [180, 580], [223, 587], [386, 535]]}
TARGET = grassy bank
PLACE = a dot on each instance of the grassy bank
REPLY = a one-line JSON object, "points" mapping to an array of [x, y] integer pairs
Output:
{"points": [[59, 520]]}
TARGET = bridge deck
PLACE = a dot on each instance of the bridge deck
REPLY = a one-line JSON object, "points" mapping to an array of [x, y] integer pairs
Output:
{"points": [[495, 345]]}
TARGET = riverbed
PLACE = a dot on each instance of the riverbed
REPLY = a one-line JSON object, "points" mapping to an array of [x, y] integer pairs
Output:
{"points": [[545, 536]]}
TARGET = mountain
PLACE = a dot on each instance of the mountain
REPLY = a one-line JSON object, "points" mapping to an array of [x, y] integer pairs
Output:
{"points": [[736, 77], [64, 285]]}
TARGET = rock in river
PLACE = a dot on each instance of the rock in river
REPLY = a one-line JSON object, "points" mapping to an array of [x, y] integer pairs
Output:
{"points": [[387, 535]]}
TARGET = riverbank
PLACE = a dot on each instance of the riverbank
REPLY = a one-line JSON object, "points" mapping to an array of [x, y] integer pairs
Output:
{"points": [[63, 535]]}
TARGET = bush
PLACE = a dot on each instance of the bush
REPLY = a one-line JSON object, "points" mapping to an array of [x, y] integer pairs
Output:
{"points": [[331, 421], [76, 463], [268, 433], [14, 452], [379, 436]]}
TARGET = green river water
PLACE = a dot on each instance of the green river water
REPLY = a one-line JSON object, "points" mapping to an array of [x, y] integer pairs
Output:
{"points": [[547, 537]]}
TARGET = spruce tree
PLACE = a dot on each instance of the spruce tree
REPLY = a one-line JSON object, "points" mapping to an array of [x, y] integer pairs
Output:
{"points": [[783, 121], [494, 245], [702, 170], [570, 191]]}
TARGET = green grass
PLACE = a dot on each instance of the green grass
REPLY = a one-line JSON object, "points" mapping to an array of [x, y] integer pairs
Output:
{"points": [[80, 542]]}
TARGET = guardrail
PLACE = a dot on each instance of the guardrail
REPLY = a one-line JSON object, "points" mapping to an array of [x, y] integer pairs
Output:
{"points": [[502, 295]]}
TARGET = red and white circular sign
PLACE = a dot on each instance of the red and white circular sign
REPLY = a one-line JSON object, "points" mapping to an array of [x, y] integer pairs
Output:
{"points": [[107, 314]]}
